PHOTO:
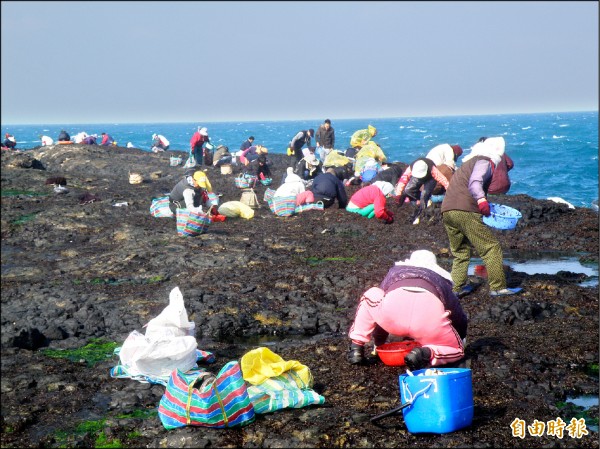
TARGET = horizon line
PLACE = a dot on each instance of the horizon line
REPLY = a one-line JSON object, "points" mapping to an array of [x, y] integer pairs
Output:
{"points": [[294, 120]]}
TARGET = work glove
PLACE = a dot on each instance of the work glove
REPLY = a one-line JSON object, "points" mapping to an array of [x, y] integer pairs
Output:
{"points": [[356, 354], [484, 207], [388, 217]]}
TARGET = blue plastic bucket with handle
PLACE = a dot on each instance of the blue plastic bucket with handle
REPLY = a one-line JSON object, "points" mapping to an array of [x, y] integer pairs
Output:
{"points": [[437, 403], [502, 217]]}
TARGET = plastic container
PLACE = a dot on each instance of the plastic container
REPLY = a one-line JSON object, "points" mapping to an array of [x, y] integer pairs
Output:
{"points": [[442, 403], [502, 217], [393, 353]]}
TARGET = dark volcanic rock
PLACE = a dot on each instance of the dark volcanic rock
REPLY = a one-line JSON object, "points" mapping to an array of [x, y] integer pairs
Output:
{"points": [[72, 272]]}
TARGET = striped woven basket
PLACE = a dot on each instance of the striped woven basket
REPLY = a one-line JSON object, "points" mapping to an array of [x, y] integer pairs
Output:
{"points": [[195, 399], [191, 224]]}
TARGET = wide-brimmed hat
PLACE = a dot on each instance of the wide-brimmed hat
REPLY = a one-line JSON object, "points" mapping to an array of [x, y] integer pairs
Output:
{"points": [[419, 169], [203, 132], [425, 259], [372, 130]]}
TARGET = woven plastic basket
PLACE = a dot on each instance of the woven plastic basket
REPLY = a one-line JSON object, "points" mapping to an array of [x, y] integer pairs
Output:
{"points": [[502, 217]]}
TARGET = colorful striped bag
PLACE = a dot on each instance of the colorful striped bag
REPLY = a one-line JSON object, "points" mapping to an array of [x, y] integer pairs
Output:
{"points": [[198, 398], [191, 224], [245, 180], [160, 207], [310, 206], [283, 206]]}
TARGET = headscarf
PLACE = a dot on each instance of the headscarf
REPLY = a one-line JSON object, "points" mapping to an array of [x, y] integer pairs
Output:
{"points": [[492, 147]]}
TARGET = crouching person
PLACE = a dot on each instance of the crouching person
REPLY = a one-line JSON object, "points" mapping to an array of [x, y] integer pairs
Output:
{"points": [[415, 300], [192, 193]]}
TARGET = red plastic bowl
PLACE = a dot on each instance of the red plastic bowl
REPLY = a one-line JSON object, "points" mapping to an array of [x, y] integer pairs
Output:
{"points": [[392, 354]]}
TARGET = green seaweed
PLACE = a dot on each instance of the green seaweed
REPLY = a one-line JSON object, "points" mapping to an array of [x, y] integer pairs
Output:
{"points": [[25, 218], [16, 192], [95, 351], [102, 441], [139, 414], [317, 261]]}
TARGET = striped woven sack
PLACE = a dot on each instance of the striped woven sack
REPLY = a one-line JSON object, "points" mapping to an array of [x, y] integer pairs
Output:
{"points": [[191, 224], [284, 391], [268, 194], [244, 180], [310, 206], [283, 206], [160, 207], [201, 399]]}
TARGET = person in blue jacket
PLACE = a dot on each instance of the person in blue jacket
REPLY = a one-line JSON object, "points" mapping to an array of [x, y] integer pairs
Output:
{"points": [[327, 186]]}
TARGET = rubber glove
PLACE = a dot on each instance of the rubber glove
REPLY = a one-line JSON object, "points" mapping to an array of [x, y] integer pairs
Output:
{"points": [[484, 206]]}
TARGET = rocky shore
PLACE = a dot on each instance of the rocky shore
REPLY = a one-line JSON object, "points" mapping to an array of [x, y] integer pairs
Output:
{"points": [[77, 270]]}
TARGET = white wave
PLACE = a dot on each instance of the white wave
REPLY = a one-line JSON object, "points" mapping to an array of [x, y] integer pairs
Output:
{"points": [[558, 199], [527, 127], [417, 130], [558, 137], [564, 125], [384, 138]]}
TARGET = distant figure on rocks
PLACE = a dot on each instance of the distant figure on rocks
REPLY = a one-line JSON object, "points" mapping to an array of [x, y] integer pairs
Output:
{"points": [[292, 185], [79, 137], [390, 172], [328, 186], [370, 201], [191, 193], [417, 184], [362, 136], [159, 143], [107, 140], [262, 168], [247, 143], [415, 300], [298, 141], [251, 153], [325, 139], [199, 139], [9, 141], [46, 140], [309, 167], [444, 157], [90, 140], [63, 136], [222, 156]]}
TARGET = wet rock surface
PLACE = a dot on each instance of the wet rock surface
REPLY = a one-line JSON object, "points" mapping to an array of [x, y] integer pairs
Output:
{"points": [[73, 271]]}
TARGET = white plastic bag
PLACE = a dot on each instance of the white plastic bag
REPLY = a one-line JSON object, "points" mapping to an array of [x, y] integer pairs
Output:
{"points": [[172, 321], [157, 358], [169, 343]]}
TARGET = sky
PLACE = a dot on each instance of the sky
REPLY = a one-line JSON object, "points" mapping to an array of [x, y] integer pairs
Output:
{"points": [[169, 61]]}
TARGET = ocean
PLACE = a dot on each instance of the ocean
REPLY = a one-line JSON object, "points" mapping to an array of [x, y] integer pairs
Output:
{"points": [[555, 154]]}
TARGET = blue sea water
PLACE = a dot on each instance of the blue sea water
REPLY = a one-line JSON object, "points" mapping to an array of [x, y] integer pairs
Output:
{"points": [[555, 154]]}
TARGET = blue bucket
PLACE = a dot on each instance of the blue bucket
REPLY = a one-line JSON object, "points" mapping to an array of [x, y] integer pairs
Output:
{"points": [[441, 403], [502, 217]]}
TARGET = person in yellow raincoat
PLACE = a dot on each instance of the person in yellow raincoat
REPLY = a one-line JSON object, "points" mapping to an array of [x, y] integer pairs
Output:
{"points": [[362, 136]]}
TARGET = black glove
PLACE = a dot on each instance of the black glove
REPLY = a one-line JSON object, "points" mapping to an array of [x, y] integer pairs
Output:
{"points": [[356, 354]]}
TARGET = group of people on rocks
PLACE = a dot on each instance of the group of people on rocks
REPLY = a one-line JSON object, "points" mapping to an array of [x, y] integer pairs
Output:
{"points": [[417, 299]]}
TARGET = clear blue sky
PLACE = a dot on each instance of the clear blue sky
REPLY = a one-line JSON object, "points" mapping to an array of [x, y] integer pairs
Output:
{"points": [[111, 62]]}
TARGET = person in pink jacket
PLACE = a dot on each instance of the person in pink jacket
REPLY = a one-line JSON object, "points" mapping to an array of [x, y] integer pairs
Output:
{"points": [[415, 300], [370, 201]]}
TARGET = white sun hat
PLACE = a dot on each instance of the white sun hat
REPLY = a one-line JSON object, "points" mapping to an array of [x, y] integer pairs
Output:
{"points": [[426, 259]]}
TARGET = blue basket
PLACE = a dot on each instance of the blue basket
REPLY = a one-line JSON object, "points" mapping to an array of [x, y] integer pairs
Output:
{"points": [[502, 217], [440, 403]]}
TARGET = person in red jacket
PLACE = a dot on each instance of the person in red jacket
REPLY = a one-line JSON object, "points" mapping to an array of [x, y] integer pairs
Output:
{"points": [[197, 142], [370, 201]]}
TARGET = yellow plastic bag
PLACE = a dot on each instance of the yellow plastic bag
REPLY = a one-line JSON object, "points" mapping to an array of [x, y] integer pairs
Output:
{"points": [[261, 364], [335, 159], [233, 209]]}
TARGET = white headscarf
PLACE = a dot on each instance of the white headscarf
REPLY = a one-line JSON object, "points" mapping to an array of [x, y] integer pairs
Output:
{"points": [[492, 147], [385, 187]]}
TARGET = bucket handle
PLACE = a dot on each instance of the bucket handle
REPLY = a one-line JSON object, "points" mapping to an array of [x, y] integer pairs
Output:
{"points": [[395, 411]]}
